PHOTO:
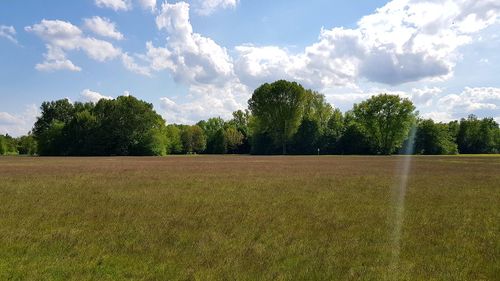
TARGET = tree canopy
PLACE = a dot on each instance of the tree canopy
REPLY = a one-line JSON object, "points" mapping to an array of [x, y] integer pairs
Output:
{"points": [[283, 117], [123, 126], [385, 120], [278, 109]]}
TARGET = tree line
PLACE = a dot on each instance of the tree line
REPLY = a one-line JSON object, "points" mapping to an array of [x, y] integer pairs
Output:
{"points": [[282, 118]]}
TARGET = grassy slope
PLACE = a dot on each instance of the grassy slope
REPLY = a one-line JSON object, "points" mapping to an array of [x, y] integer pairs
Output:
{"points": [[247, 218]]}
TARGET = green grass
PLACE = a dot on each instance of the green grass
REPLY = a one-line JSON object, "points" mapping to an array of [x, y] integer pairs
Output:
{"points": [[248, 218]]}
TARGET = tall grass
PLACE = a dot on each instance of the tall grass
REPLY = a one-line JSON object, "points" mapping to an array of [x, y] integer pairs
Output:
{"points": [[247, 218]]}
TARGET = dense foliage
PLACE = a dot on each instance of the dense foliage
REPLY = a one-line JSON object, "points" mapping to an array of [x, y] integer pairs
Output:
{"points": [[283, 118], [124, 126]]}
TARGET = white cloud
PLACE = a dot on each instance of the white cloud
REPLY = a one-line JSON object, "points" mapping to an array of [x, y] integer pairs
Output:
{"points": [[197, 59], [425, 96], [198, 62], [103, 27], [433, 102], [116, 5], [56, 65], [88, 95], [55, 59], [190, 57], [8, 32], [207, 7], [148, 4], [481, 101], [205, 102], [61, 37], [404, 41], [131, 65], [18, 124], [8, 119]]}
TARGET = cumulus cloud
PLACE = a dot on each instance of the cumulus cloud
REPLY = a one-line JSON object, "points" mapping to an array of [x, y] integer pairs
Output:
{"points": [[130, 64], [404, 41], [423, 98], [197, 59], [481, 101], [148, 4], [198, 62], [61, 37], [103, 27], [207, 7], [205, 102], [88, 95], [18, 124], [117, 5], [8, 32], [433, 102]]}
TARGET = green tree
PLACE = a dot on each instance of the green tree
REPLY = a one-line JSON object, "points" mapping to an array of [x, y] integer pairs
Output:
{"points": [[385, 120], [278, 109], [241, 121], [8, 145], [305, 141], [26, 145], [193, 139], [54, 115], [434, 139], [174, 142], [60, 110], [51, 140], [317, 109], [80, 133], [353, 139], [330, 137], [233, 139], [312, 132], [128, 126], [477, 135], [213, 129]]}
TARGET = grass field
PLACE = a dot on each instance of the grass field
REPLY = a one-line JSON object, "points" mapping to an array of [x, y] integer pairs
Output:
{"points": [[248, 218]]}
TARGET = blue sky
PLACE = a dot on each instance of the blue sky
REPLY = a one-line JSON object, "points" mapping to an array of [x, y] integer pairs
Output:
{"points": [[203, 58]]}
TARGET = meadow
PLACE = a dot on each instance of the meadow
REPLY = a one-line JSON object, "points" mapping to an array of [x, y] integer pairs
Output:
{"points": [[249, 218]]}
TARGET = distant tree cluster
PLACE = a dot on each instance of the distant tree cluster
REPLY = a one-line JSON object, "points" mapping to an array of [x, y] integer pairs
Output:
{"points": [[283, 118], [123, 126], [25, 145]]}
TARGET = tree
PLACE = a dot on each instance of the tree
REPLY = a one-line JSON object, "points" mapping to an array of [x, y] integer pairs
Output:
{"points": [[330, 138], [128, 126], [233, 139], [241, 121], [305, 141], [434, 139], [353, 139], [213, 129], [60, 110], [7, 145], [51, 140], [174, 142], [123, 126], [26, 145], [317, 109], [80, 134], [193, 139], [53, 114], [385, 120], [278, 109], [477, 136]]}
